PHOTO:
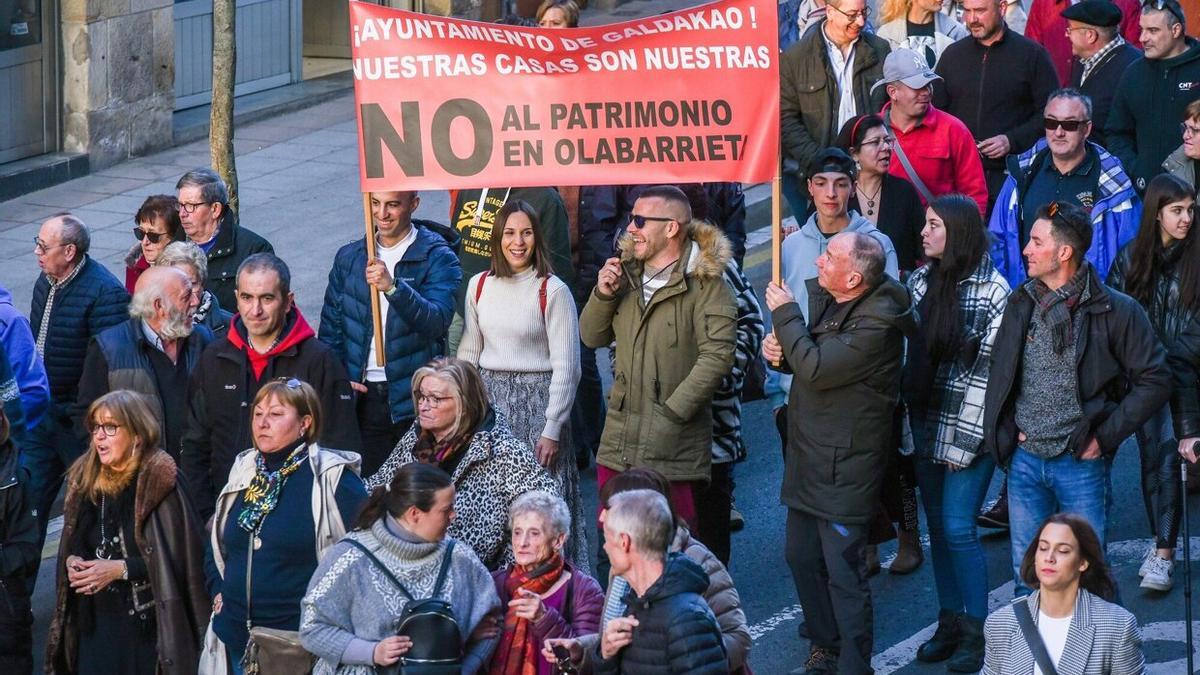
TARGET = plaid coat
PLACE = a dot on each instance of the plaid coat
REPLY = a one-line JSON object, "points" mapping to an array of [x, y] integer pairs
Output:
{"points": [[954, 416]]}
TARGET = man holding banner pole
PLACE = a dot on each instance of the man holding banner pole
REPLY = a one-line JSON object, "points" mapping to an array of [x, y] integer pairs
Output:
{"points": [[415, 273]]}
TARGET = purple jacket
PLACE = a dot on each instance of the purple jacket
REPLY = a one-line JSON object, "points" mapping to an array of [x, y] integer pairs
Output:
{"points": [[586, 607]]}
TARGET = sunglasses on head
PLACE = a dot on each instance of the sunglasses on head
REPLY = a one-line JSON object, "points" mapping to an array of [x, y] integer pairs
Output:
{"points": [[1164, 6], [154, 237], [640, 221], [1067, 125]]}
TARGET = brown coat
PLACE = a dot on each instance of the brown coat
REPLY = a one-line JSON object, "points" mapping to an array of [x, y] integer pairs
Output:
{"points": [[169, 536]]}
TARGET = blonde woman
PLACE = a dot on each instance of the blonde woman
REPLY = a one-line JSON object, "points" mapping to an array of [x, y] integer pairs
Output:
{"points": [[921, 26], [130, 592]]}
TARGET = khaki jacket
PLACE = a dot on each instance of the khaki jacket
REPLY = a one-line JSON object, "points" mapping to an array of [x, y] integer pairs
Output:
{"points": [[671, 355]]}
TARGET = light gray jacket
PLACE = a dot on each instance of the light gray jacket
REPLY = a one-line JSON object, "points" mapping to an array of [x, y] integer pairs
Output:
{"points": [[945, 32], [1104, 639]]}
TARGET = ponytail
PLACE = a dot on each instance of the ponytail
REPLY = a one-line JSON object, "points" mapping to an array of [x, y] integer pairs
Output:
{"points": [[414, 484]]}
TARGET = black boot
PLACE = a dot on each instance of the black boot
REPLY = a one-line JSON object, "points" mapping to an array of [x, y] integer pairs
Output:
{"points": [[968, 658], [944, 640], [996, 515]]}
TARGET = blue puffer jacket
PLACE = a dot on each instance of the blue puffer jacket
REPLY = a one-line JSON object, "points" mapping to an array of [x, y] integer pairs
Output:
{"points": [[1116, 214], [91, 302], [18, 342], [419, 312]]}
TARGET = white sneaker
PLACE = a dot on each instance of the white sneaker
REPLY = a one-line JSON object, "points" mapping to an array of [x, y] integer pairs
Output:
{"points": [[1150, 556], [1158, 577]]}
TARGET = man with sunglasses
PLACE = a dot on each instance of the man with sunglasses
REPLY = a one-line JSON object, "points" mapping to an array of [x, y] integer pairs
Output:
{"points": [[1064, 167], [1143, 126], [666, 304], [208, 222], [996, 81], [74, 299], [825, 80], [1076, 369]]}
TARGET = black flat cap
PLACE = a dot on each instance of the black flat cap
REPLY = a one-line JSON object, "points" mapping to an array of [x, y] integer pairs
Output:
{"points": [[1102, 13]]}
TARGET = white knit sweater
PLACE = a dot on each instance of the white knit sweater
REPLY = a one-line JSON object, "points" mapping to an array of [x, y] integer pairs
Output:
{"points": [[505, 331]]}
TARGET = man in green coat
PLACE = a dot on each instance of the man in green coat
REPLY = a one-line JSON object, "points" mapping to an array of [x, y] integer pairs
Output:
{"points": [[667, 306]]}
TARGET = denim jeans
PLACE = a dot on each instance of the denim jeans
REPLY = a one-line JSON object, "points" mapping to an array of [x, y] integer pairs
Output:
{"points": [[1038, 488], [51, 449], [952, 500]]}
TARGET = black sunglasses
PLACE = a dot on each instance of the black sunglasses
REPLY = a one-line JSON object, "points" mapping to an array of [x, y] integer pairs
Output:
{"points": [[1165, 6], [640, 221], [154, 237], [1067, 125]]}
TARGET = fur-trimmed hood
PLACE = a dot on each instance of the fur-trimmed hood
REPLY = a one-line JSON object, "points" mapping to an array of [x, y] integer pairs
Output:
{"points": [[706, 254]]}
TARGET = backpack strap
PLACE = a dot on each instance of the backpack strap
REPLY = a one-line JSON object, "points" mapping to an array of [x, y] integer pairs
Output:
{"points": [[1033, 639], [542, 295], [479, 286], [568, 607], [383, 568], [437, 587]]}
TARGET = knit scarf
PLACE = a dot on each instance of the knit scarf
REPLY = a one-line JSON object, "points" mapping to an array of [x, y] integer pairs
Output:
{"points": [[262, 494], [429, 450], [1056, 306], [201, 314], [518, 650]]}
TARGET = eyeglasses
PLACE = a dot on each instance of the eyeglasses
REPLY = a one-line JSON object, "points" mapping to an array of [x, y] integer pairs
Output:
{"points": [[190, 207], [154, 237], [431, 400], [108, 430], [1164, 6], [42, 247], [1052, 210], [864, 13], [1068, 125], [640, 221], [881, 141], [1072, 29], [1188, 130]]}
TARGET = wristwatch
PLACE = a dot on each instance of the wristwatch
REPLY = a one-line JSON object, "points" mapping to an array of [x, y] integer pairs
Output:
{"points": [[124, 571], [391, 291]]}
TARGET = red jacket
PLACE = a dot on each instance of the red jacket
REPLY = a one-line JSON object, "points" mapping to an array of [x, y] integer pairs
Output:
{"points": [[1047, 27], [943, 153]]}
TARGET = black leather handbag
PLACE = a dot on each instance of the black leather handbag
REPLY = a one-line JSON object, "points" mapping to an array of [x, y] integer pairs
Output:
{"points": [[429, 623]]}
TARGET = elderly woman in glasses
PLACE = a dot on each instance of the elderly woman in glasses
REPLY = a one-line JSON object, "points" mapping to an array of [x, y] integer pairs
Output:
{"points": [[190, 258], [287, 501], [130, 592], [459, 431], [156, 224]]}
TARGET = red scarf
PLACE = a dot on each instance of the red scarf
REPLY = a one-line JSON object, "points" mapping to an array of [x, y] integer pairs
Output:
{"points": [[518, 651]]}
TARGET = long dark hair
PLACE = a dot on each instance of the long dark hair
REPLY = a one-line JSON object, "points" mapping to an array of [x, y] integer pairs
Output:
{"points": [[541, 261], [852, 133], [966, 244], [414, 484], [1096, 579], [1140, 281]]}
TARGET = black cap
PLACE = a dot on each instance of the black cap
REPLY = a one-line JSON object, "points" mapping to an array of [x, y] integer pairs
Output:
{"points": [[831, 160], [1101, 13]]}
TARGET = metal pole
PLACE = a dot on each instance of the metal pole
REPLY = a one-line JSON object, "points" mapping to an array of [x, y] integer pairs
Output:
{"points": [[1187, 562]]}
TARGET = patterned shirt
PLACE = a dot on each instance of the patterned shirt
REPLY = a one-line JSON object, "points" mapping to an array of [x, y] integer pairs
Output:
{"points": [[1094, 60], [44, 328]]}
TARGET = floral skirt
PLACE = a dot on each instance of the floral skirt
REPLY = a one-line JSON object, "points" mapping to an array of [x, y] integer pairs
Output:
{"points": [[523, 397]]}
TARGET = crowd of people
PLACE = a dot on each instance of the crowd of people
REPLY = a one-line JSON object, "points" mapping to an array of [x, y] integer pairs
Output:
{"points": [[994, 266]]}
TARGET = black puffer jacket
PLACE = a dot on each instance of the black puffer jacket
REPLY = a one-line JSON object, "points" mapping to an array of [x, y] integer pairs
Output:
{"points": [[676, 631], [234, 244], [1121, 371]]}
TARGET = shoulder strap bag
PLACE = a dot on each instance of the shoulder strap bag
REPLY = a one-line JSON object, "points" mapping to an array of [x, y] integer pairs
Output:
{"points": [[272, 651], [898, 151], [1033, 638]]}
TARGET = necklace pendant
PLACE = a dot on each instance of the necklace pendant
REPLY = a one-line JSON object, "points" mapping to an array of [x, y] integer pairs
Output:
{"points": [[257, 543]]}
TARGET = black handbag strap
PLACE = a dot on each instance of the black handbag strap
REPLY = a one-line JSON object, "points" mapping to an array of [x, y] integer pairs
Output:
{"points": [[437, 588], [1033, 638]]}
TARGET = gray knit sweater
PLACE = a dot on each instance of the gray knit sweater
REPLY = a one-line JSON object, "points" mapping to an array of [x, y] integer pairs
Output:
{"points": [[351, 605]]}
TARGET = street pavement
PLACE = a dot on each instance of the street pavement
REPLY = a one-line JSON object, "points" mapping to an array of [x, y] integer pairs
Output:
{"points": [[299, 188]]}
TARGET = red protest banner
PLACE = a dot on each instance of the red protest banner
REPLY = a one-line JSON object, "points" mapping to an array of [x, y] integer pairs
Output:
{"points": [[683, 97]]}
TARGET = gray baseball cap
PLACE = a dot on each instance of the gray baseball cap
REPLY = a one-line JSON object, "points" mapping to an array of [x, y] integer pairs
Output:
{"points": [[907, 67]]}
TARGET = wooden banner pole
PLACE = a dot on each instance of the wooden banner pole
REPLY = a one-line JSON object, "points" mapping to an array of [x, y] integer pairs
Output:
{"points": [[376, 312], [777, 226]]}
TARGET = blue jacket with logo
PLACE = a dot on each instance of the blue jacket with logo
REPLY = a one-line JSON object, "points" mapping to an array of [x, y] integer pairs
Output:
{"points": [[1116, 214], [419, 312], [27, 369]]}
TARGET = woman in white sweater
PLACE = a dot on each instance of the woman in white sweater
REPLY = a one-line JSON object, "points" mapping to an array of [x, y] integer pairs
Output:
{"points": [[522, 332]]}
